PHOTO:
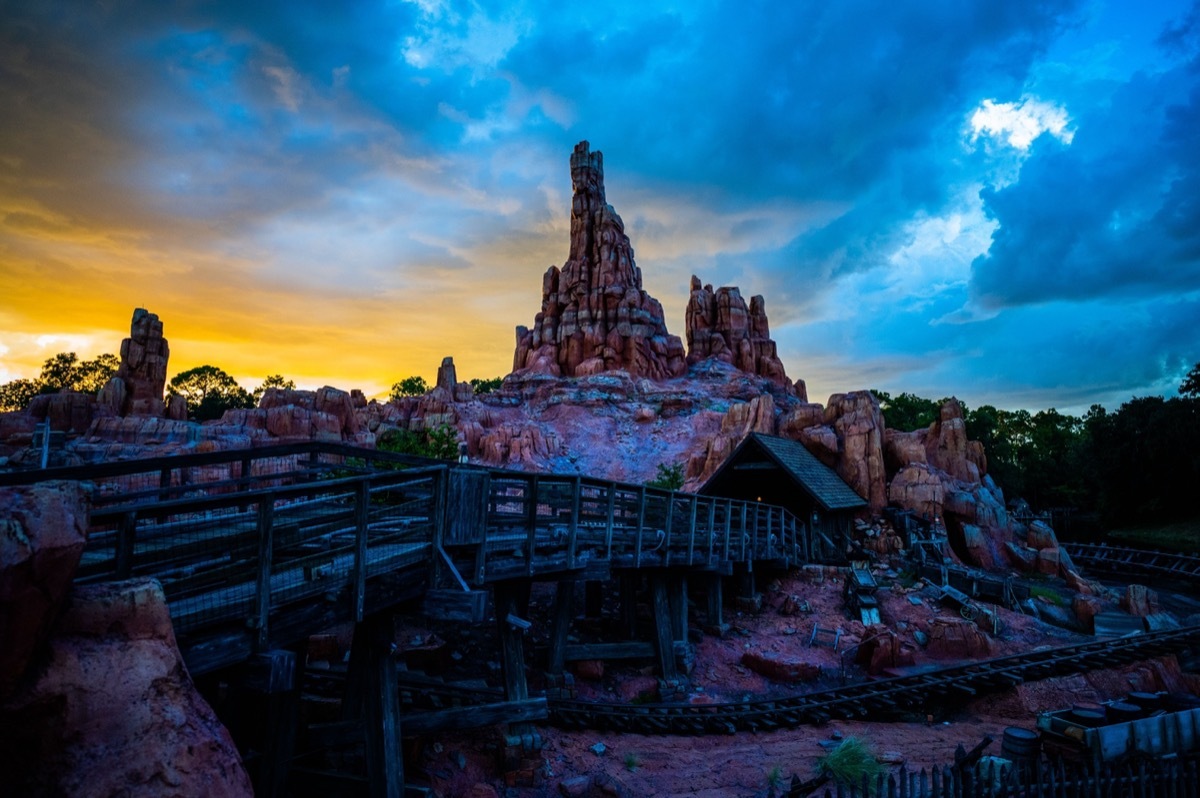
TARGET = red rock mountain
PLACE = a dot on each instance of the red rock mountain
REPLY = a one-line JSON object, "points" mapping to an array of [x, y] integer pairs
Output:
{"points": [[720, 325], [595, 314]]}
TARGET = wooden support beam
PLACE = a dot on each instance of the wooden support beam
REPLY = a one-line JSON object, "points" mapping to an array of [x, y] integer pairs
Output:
{"points": [[662, 625], [629, 649], [715, 609], [284, 675], [266, 553], [362, 501], [563, 600], [512, 640], [677, 598], [385, 761]]}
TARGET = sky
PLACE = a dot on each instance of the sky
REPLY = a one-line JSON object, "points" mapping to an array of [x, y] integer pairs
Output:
{"points": [[993, 200]]}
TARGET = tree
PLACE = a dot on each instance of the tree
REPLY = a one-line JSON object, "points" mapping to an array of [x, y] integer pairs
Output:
{"points": [[486, 386], [409, 386], [272, 381], [439, 443], [62, 372], [1190, 387], [669, 477], [17, 395], [209, 392], [91, 375], [907, 412]]}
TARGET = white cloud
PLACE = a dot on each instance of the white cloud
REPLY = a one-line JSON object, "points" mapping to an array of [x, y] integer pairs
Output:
{"points": [[446, 41], [1021, 122]]}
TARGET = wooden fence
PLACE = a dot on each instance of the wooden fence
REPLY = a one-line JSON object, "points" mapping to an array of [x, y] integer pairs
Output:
{"points": [[1164, 778]]}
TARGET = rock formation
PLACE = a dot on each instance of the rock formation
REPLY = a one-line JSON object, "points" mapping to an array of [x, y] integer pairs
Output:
{"points": [[113, 710], [595, 315], [137, 387], [719, 325], [42, 535]]}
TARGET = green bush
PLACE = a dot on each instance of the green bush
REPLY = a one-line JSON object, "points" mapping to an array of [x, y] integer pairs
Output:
{"points": [[849, 762], [439, 443], [670, 477]]}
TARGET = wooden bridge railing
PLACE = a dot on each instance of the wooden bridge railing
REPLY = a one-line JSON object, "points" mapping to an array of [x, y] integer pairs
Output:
{"points": [[542, 522], [253, 560]]}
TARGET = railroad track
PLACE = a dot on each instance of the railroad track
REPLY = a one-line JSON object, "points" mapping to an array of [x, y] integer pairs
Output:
{"points": [[1141, 562], [878, 700]]}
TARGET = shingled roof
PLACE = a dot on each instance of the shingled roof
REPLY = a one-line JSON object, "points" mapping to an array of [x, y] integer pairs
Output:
{"points": [[820, 481]]}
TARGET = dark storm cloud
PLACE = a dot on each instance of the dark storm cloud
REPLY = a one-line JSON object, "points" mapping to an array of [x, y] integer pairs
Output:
{"points": [[1116, 213]]}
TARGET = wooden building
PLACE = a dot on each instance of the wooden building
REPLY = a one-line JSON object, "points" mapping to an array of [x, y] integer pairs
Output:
{"points": [[782, 472]]}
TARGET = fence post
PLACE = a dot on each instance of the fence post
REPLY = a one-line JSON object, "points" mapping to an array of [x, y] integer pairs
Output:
{"points": [[362, 498], [669, 523], [126, 533], [266, 553], [612, 510], [692, 532], [531, 513], [573, 529], [641, 524]]}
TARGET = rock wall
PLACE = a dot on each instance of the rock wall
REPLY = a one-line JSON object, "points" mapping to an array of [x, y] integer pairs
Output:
{"points": [[113, 710], [42, 535], [595, 314], [719, 325]]}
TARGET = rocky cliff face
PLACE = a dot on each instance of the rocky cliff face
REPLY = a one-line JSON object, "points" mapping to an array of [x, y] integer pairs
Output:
{"points": [[721, 326], [595, 314]]}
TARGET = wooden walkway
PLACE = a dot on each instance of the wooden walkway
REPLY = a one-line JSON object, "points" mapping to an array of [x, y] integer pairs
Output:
{"points": [[256, 549]]}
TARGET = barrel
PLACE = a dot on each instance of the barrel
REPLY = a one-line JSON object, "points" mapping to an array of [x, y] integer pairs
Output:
{"points": [[1120, 712], [1147, 701], [1088, 718], [1020, 746]]}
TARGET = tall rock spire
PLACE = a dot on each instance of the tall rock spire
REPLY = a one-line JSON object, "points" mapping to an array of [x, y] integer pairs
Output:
{"points": [[595, 314]]}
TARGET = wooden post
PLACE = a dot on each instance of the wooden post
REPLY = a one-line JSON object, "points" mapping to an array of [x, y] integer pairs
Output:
{"points": [[641, 525], [573, 529], [712, 530], [385, 761], [608, 527], [692, 532], [126, 534], [563, 600], [512, 641], [677, 598], [531, 521], [670, 522], [362, 499], [715, 614], [728, 524], [164, 484], [744, 530], [283, 672], [266, 552], [662, 625]]}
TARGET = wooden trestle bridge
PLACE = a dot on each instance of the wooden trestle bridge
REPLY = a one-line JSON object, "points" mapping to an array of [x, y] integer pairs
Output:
{"points": [[258, 549]]}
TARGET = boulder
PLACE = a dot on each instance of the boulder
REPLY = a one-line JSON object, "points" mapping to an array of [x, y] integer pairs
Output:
{"points": [[920, 489], [595, 314], [1140, 600], [113, 710], [957, 638], [780, 667], [42, 535]]}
